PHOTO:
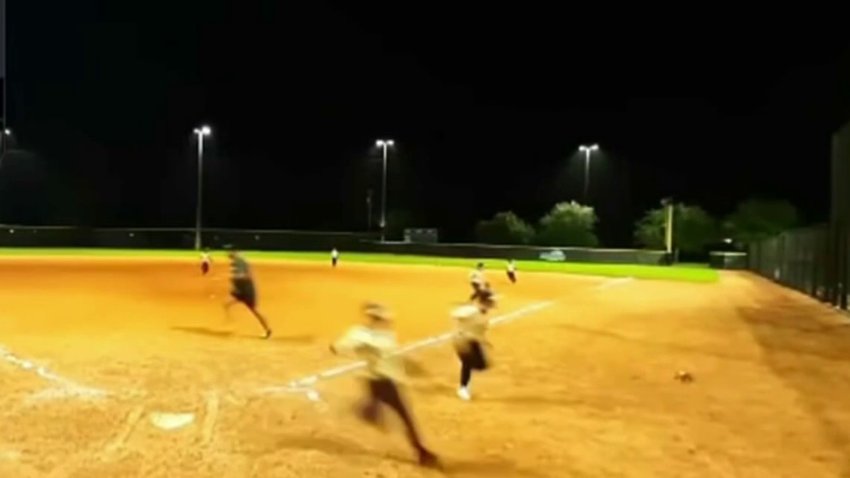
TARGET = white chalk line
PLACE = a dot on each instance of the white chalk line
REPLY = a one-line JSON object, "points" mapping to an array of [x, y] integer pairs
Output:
{"points": [[304, 385], [66, 388], [210, 418], [127, 428]]}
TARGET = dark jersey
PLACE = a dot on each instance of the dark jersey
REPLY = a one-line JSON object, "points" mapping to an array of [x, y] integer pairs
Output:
{"points": [[239, 269]]}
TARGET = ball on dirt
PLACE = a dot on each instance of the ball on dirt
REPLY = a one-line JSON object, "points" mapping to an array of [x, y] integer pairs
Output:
{"points": [[684, 377]]}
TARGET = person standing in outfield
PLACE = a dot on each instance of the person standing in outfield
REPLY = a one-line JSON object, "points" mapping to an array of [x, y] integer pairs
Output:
{"points": [[375, 343], [512, 271], [242, 288], [470, 340], [206, 262], [477, 281], [334, 257]]}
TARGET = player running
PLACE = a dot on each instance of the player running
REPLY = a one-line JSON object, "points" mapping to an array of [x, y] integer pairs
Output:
{"points": [[511, 271], [334, 257], [206, 262], [477, 281], [375, 343], [470, 339], [242, 288]]}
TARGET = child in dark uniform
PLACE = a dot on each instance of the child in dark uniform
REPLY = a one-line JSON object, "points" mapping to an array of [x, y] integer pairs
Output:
{"points": [[242, 288]]}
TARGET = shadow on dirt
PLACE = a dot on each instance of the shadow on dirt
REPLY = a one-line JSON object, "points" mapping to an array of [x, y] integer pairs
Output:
{"points": [[450, 464], [227, 334], [806, 345], [655, 343]]}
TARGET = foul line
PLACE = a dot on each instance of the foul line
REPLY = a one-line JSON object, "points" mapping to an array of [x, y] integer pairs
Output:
{"points": [[67, 387], [127, 428], [304, 384], [210, 418]]}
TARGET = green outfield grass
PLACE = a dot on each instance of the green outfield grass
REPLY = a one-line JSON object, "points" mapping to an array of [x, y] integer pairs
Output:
{"points": [[684, 272]]}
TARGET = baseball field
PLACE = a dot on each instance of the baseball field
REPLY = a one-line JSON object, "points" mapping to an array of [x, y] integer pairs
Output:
{"points": [[123, 364]]}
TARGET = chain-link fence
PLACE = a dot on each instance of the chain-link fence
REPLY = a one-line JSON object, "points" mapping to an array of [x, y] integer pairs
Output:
{"points": [[816, 260], [270, 240], [812, 260], [177, 238]]}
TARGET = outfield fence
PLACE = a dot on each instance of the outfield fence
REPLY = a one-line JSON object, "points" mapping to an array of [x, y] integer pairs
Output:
{"points": [[553, 254], [816, 260], [177, 238], [811, 260]]}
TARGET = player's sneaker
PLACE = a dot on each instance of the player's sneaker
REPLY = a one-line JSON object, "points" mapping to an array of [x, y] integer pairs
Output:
{"points": [[428, 459], [463, 393], [268, 333]]}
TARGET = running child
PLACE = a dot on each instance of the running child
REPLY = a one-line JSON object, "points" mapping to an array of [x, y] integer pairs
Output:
{"points": [[375, 343], [334, 257], [512, 271], [242, 288], [477, 281], [470, 340], [206, 262]]}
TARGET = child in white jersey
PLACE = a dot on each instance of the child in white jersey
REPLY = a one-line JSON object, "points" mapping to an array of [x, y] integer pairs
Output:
{"points": [[470, 339], [477, 281], [512, 271], [375, 343], [206, 262]]}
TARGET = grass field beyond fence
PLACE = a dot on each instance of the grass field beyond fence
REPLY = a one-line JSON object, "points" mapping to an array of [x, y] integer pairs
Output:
{"points": [[682, 272]]}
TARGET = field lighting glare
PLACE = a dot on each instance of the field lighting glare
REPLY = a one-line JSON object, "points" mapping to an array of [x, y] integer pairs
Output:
{"points": [[587, 150]]}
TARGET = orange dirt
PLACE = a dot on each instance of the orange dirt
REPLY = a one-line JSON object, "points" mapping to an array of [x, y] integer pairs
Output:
{"points": [[584, 388]]}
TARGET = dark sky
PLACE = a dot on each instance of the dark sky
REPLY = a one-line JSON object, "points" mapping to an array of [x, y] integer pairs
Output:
{"points": [[487, 107]]}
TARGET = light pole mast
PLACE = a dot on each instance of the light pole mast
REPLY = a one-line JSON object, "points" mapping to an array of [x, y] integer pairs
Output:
{"points": [[201, 133], [587, 150], [384, 144], [668, 227]]}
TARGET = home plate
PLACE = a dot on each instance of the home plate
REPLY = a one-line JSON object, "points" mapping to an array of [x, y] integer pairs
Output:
{"points": [[171, 421]]}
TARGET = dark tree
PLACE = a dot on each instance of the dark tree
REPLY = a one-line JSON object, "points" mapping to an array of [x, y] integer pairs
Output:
{"points": [[568, 224], [757, 219], [504, 228], [693, 228]]}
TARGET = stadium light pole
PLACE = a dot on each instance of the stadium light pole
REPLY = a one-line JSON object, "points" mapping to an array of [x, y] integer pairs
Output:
{"points": [[384, 144], [587, 150], [201, 133], [668, 227]]}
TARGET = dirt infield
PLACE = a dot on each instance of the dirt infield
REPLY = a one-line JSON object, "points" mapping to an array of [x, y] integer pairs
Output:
{"points": [[95, 351]]}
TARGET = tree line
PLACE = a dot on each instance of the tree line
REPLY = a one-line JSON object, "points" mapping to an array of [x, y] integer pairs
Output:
{"points": [[570, 224]]}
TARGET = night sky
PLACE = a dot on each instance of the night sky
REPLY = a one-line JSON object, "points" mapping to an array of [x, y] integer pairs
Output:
{"points": [[487, 106]]}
